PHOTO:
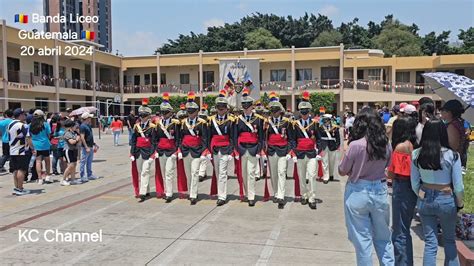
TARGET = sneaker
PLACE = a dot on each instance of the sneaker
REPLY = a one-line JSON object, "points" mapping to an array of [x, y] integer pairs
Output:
{"points": [[40, 181], [84, 179], [55, 173], [49, 179], [20, 192], [92, 177], [65, 183], [3, 170], [76, 182]]}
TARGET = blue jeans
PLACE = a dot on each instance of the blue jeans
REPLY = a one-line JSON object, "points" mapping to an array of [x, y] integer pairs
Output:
{"points": [[367, 214], [438, 206], [86, 161], [130, 131], [403, 209], [116, 137]]}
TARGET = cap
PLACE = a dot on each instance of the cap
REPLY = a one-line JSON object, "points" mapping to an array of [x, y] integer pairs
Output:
{"points": [[453, 106], [165, 105], [86, 115], [221, 98], [408, 109], [304, 104], [396, 108], [38, 113], [246, 96], [191, 104], [275, 101], [18, 111]]}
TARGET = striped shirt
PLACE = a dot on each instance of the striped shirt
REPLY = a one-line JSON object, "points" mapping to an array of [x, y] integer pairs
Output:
{"points": [[17, 137]]}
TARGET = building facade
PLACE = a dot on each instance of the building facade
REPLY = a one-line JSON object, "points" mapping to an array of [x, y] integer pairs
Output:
{"points": [[357, 77], [100, 8]]}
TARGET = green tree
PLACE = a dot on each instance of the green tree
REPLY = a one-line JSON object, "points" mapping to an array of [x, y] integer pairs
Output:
{"points": [[261, 39], [327, 38], [467, 38], [398, 40], [210, 100], [318, 99], [436, 44]]}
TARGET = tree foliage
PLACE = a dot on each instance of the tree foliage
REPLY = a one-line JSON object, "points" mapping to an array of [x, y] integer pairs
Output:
{"points": [[261, 39], [326, 99], [262, 31]]}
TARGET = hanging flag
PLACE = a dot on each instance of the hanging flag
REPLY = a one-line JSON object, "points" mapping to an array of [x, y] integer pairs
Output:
{"points": [[21, 18], [88, 35]]}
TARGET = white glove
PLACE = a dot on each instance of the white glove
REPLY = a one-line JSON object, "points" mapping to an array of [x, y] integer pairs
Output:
{"points": [[237, 157], [264, 157], [295, 159], [151, 159], [173, 156], [257, 156], [288, 157], [319, 158], [132, 158], [180, 156], [209, 157]]}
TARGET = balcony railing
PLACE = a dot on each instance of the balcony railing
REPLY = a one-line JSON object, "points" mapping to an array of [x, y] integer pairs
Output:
{"points": [[417, 88], [386, 86]]}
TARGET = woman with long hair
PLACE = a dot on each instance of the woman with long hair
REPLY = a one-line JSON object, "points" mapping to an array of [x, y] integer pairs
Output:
{"points": [[54, 143], [71, 139], [451, 114], [403, 198], [437, 181], [426, 113], [39, 133], [366, 204]]}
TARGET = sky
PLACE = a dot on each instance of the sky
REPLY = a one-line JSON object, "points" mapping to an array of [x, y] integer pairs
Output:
{"points": [[140, 26]]}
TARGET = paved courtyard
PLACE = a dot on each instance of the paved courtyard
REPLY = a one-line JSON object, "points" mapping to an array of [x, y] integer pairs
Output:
{"points": [[154, 232]]}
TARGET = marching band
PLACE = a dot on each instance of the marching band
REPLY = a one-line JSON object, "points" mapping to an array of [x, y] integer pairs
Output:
{"points": [[261, 143]]}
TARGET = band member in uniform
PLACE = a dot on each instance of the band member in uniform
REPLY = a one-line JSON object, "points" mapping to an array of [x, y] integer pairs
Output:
{"points": [[221, 132], [249, 138], [167, 134], [328, 144], [306, 136], [279, 147], [203, 114], [193, 145], [182, 114], [143, 148]]}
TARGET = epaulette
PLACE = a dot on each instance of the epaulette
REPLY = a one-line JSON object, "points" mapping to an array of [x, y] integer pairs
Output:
{"points": [[201, 120], [153, 125], [259, 116], [232, 117], [176, 121]]}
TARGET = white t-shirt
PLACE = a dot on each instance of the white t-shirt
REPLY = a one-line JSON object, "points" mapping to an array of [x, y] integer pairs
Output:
{"points": [[17, 137], [349, 122], [419, 131]]}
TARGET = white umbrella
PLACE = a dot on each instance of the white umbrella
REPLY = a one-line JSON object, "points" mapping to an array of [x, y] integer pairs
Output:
{"points": [[451, 86], [80, 111]]}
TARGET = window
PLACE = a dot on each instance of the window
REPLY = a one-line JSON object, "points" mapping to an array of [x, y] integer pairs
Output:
{"points": [[278, 75], [162, 78], [184, 78], [62, 72], [154, 79], [76, 73], [147, 79], [360, 74], [419, 77], [62, 105], [459, 71], [329, 73], [136, 80], [402, 77], [36, 69], [208, 77], [41, 103], [304, 74], [374, 74]]}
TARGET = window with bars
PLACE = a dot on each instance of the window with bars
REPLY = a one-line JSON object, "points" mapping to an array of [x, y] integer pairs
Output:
{"points": [[374, 74], [41, 103], [62, 105], [278, 75], [147, 79], [402, 76], [304, 74], [183, 78]]}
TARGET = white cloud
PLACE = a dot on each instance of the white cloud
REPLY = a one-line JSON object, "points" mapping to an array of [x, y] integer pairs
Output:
{"points": [[329, 10], [213, 22], [136, 43]]}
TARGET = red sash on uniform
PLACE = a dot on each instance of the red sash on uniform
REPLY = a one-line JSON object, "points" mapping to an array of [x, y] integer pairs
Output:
{"points": [[214, 177], [182, 182], [219, 141], [297, 181], [166, 144], [135, 178], [277, 140], [160, 188], [191, 141], [248, 137], [143, 142], [305, 144]]}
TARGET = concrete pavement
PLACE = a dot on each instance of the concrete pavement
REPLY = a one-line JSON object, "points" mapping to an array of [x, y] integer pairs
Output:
{"points": [[154, 232]]}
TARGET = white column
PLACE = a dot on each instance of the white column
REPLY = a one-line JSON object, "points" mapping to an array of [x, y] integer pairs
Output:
{"points": [[245, 52], [158, 73], [201, 83], [293, 78], [394, 74], [5, 65], [56, 77], [341, 74], [93, 78], [354, 107], [354, 74], [122, 98]]}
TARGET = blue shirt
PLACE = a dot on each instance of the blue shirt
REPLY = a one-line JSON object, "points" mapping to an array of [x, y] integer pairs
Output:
{"points": [[41, 140], [3, 129], [60, 134], [386, 116], [451, 173]]}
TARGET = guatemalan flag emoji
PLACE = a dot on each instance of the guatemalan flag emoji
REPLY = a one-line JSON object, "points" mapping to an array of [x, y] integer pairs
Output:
{"points": [[21, 18], [88, 35]]}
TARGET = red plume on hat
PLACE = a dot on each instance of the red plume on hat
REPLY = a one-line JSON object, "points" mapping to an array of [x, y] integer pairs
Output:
{"points": [[305, 96], [222, 93], [245, 92], [191, 96], [145, 101], [204, 106], [182, 106], [322, 109], [166, 97]]}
